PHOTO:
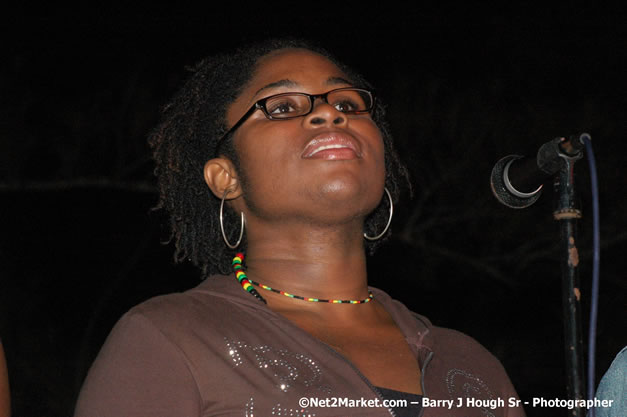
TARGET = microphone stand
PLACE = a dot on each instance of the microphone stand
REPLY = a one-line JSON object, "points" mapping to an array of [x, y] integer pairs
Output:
{"points": [[567, 212]]}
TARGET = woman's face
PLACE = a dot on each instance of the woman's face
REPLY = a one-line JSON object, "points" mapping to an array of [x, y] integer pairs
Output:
{"points": [[323, 167]]}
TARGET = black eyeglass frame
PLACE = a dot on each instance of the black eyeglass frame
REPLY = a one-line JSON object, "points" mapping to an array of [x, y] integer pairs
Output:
{"points": [[261, 105]]}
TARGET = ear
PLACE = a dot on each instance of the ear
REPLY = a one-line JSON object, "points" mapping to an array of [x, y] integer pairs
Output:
{"points": [[220, 175]]}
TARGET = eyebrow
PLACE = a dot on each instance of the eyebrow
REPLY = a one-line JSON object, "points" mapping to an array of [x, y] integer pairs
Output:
{"points": [[291, 83], [338, 80], [276, 84]]}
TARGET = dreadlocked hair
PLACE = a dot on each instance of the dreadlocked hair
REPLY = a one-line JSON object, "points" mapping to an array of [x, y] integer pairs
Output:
{"points": [[187, 135]]}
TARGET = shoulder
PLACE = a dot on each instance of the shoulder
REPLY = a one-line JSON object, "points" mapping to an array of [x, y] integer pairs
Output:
{"points": [[460, 367], [142, 362], [183, 329], [459, 346], [158, 353], [210, 306], [455, 366], [448, 346], [458, 357]]}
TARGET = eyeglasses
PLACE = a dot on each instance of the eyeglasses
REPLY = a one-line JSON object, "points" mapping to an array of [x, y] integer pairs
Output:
{"points": [[287, 106]]}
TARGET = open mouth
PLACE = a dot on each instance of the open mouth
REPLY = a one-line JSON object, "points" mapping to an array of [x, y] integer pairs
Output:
{"points": [[332, 146]]}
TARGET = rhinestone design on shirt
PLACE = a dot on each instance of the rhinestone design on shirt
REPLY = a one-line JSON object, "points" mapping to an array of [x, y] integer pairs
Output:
{"points": [[277, 410], [463, 384], [286, 366], [250, 408]]}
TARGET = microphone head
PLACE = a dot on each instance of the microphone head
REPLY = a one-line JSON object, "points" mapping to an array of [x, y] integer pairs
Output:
{"points": [[500, 189]]}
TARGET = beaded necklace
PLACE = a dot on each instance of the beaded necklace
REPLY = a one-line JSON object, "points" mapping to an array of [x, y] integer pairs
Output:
{"points": [[247, 285]]}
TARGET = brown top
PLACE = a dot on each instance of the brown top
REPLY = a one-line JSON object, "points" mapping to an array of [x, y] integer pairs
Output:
{"points": [[217, 351]]}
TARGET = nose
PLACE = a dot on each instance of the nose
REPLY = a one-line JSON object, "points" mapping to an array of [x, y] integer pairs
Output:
{"points": [[323, 114]]}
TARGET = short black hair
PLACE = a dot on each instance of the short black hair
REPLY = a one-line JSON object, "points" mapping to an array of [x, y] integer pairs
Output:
{"points": [[186, 138]]}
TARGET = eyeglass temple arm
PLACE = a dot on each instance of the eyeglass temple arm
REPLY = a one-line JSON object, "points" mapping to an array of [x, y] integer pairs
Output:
{"points": [[240, 122]]}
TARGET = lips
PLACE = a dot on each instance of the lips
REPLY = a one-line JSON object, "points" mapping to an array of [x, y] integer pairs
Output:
{"points": [[333, 145]]}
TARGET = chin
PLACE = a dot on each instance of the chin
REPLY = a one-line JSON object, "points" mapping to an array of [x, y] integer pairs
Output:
{"points": [[342, 186], [357, 196]]}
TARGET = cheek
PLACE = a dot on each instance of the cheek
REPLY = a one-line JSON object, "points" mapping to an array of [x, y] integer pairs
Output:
{"points": [[378, 159], [264, 161], [376, 147]]}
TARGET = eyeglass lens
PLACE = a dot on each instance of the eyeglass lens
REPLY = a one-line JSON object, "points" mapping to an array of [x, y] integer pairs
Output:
{"points": [[294, 105]]}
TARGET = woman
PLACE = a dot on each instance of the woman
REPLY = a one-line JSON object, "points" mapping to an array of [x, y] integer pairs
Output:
{"points": [[285, 143]]}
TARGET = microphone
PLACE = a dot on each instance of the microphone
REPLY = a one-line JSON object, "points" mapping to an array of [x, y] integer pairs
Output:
{"points": [[516, 180]]}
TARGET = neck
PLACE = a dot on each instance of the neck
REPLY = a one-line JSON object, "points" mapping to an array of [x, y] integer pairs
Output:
{"points": [[315, 262]]}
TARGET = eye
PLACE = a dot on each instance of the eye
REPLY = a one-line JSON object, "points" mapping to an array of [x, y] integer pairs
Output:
{"points": [[348, 100], [346, 106], [282, 107], [286, 106]]}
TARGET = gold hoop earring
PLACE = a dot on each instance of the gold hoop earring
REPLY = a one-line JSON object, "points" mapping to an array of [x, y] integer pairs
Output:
{"points": [[387, 226], [243, 220]]}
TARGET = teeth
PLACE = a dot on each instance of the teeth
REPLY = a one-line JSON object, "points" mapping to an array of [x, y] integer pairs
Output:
{"points": [[329, 142], [325, 147]]}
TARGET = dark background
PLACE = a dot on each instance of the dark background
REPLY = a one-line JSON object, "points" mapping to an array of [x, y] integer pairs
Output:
{"points": [[80, 90]]}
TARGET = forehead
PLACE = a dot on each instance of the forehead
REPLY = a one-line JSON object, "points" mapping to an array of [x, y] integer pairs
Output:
{"points": [[287, 70], [306, 69]]}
